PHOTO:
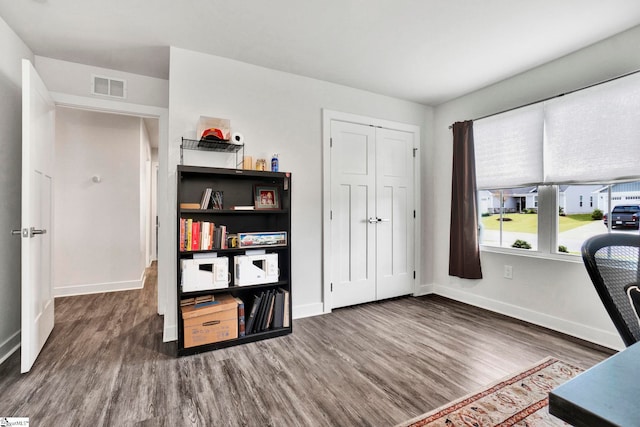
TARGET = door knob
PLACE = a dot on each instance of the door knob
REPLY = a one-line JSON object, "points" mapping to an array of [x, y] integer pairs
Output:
{"points": [[373, 220], [24, 232]]}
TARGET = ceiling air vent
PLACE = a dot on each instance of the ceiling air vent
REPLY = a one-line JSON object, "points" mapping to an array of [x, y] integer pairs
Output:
{"points": [[108, 86]]}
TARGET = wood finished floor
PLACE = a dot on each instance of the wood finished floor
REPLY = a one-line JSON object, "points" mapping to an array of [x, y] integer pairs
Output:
{"points": [[371, 365]]}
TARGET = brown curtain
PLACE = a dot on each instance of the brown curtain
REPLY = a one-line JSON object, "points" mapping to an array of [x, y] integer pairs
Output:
{"points": [[464, 252]]}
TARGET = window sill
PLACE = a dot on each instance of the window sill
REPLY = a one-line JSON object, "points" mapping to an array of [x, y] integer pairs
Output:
{"points": [[532, 254]]}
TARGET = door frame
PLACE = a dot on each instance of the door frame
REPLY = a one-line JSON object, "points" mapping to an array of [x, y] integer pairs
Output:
{"points": [[163, 208], [327, 117]]}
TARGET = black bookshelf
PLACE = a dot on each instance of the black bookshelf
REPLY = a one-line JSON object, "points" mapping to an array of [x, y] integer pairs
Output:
{"points": [[238, 189]]}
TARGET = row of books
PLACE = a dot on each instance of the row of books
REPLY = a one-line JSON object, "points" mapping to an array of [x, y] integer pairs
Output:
{"points": [[201, 235], [270, 310]]}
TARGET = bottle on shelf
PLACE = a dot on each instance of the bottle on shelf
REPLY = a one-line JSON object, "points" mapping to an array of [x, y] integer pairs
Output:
{"points": [[274, 163]]}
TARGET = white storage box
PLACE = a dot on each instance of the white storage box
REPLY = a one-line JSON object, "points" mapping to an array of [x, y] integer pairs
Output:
{"points": [[206, 273]]}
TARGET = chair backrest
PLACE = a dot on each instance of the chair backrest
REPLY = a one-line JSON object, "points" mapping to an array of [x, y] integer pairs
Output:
{"points": [[613, 263]]}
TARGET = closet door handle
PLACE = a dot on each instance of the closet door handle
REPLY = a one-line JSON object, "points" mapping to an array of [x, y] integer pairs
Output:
{"points": [[373, 220], [384, 220], [34, 231]]}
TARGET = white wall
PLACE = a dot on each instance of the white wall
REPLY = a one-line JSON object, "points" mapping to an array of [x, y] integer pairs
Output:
{"points": [[98, 244], [552, 293], [75, 79], [277, 113], [13, 50]]}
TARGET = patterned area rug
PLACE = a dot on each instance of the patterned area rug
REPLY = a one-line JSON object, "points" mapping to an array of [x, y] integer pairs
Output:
{"points": [[518, 400]]}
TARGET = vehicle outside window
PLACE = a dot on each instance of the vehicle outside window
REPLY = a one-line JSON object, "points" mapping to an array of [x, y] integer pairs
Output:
{"points": [[623, 216]]}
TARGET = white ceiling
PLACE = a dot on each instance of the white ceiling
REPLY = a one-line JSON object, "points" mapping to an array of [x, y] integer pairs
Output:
{"points": [[427, 51]]}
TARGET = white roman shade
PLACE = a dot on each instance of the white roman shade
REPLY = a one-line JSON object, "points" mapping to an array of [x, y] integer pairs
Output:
{"points": [[508, 148], [593, 135], [587, 136]]}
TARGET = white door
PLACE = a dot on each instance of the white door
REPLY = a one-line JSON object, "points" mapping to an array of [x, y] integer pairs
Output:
{"points": [[38, 133], [353, 222], [372, 226], [394, 210]]}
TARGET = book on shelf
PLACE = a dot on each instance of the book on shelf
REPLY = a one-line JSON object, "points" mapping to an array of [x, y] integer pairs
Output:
{"points": [[206, 196], [195, 236], [202, 235], [241, 319], [202, 299], [189, 206], [182, 222], [189, 230], [286, 316]]}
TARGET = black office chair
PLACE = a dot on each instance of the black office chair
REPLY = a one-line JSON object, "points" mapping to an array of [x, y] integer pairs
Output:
{"points": [[613, 263]]}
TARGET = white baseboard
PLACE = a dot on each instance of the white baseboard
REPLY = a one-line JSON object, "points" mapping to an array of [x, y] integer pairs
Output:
{"points": [[597, 336], [9, 346], [170, 333], [307, 310], [423, 290], [96, 288]]}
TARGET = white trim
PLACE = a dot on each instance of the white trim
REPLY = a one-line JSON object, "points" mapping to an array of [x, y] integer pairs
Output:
{"points": [[598, 336], [170, 333], [307, 310], [108, 106], [164, 207], [576, 259], [423, 289], [96, 288], [9, 346], [327, 117]]}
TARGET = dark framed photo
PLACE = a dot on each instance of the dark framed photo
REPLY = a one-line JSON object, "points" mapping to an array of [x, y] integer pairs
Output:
{"points": [[266, 197]]}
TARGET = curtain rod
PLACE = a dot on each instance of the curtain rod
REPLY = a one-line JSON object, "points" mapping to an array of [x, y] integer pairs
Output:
{"points": [[555, 96]]}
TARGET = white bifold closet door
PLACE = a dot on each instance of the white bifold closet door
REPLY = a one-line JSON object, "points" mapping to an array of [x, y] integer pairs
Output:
{"points": [[372, 213]]}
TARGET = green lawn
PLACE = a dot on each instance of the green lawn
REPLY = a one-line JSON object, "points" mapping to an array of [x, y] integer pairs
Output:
{"points": [[528, 223]]}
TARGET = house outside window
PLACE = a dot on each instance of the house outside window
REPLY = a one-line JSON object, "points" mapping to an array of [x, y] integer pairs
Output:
{"points": [[502, 224]]}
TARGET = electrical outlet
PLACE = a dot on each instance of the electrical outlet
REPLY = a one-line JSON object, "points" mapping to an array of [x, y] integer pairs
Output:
{"points": [[508, 272]]}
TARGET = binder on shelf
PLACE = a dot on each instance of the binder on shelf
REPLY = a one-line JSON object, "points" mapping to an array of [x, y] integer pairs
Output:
{"points": [[269, 322], [278, 310], [260, 314], [250, 321]]}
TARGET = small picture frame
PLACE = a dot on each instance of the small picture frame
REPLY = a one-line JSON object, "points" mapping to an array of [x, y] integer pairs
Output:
{"points": [[266, 197]]}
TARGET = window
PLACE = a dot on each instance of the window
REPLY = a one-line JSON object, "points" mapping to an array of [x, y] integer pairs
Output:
{"points": [[509, 218], [542, 159], [506, 218]]}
